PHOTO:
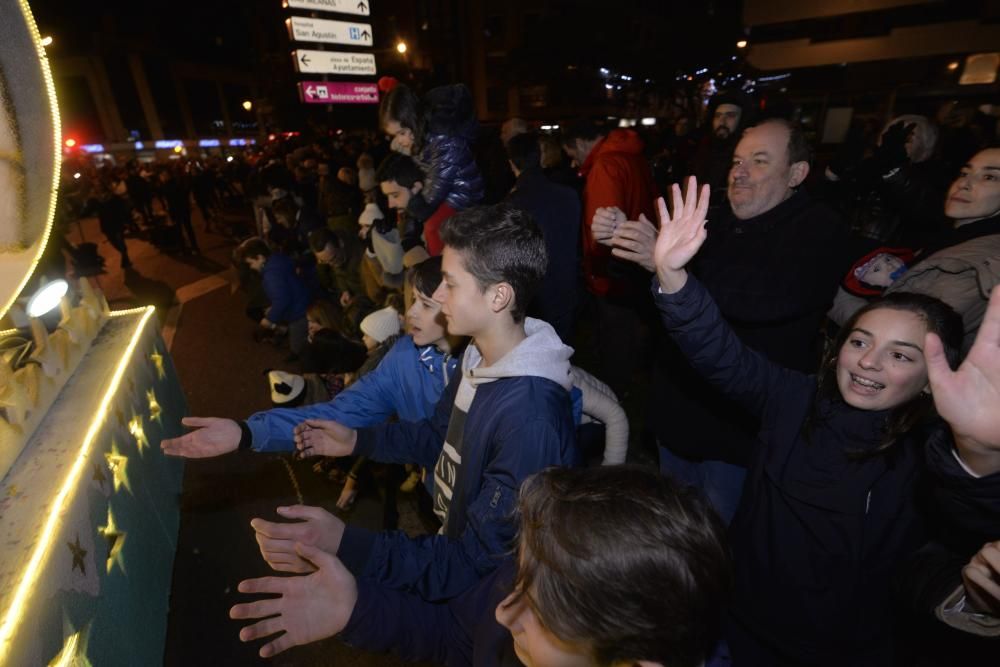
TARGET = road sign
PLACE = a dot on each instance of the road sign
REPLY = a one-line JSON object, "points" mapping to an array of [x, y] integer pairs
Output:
{"points": [[333, 62], [342, 6], [338, 92], [301, 29]]}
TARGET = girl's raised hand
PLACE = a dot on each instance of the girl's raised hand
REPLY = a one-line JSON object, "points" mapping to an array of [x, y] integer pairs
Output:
{"points": [[969, 398], [681, 235]]}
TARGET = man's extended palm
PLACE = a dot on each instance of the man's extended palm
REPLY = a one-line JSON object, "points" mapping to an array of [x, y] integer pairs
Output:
{"points": [[212, 436], [315, 527]]}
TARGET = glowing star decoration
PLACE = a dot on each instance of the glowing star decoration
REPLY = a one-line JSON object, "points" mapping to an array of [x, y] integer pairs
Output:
{"points": [[155, 411], [70, 323], [74, 651], [116, 540], [79, 554], [14, 396], [118, 465], [157, 360], [135, 428]]}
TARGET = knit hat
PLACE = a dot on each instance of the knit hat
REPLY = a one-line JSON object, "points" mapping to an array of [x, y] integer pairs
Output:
{"points": [[285, 387], [370, 215], [414, 256], [381, 324]]}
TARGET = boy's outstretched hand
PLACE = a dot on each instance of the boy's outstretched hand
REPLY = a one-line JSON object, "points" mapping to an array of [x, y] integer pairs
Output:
{"points": [[680, 236], [968, 398], [308, 608]]}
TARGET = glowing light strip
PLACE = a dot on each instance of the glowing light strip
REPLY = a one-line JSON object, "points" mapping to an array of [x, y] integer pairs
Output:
{"points": [[50, 88], [49, 531]]}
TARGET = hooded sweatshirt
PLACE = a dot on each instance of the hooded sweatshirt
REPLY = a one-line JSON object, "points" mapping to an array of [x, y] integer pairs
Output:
{"points": [[493, 427]]}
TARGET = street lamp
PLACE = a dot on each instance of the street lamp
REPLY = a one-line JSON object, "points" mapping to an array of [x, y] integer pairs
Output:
{"points": [[247, 105], [401, 46]]}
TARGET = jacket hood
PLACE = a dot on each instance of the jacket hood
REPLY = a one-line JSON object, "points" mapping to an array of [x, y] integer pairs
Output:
{"points": [[620, 141], [541, 354]]}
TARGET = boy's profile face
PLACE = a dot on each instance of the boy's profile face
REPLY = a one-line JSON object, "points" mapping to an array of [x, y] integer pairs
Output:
{"points": [[466, 307], [424, 321]]}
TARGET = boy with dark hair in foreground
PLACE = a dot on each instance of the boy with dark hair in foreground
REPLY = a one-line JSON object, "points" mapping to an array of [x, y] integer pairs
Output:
{"points": [[615, 566]]}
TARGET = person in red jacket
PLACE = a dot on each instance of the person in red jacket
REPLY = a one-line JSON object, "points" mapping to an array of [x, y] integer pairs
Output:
{"points": [[618, 175]]}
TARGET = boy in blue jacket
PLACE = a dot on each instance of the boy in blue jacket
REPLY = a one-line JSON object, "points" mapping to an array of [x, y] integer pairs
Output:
{"points": [[616, 565], [287, 293], [407, 383], [506, 416]]}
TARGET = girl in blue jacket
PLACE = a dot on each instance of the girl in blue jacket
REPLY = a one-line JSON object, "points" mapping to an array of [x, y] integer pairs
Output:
{"points": [[438, 133], [830, 505]]}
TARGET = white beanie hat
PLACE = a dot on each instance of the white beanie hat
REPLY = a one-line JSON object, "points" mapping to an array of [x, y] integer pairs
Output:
{"points": [[381, 324], [285, 387]]}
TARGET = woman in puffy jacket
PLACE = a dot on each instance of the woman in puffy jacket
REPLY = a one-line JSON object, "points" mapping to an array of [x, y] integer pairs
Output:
{"points": [[437, 132]]}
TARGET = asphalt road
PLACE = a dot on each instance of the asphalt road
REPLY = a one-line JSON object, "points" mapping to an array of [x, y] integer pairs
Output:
{"points": [[222, 371]]}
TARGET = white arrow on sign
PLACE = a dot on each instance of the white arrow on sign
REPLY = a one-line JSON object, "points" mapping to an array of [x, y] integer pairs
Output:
{"points": [[333, 62], [343, 6], [301, 29]]}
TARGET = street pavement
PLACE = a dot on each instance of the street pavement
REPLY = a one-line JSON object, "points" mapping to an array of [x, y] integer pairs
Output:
{"points": [[222, 370]]}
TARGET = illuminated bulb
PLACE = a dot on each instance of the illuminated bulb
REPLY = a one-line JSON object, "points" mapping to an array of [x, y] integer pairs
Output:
{"points": [[401, 47], [742, 44], [247, 105], [76, 175], [47, 298], [46, 41], [952, 66], [178, 149], [229, 159]]}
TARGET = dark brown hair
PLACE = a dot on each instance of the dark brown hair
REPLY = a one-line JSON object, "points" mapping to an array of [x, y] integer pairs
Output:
{"points": [[624, 561]]}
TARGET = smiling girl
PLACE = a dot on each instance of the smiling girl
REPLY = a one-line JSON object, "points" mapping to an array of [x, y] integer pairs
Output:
{"points": [[829, 508]]}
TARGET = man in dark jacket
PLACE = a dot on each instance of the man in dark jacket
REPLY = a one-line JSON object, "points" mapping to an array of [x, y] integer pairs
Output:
{"points": [[556, 210], [176, 191], [772, 265]]}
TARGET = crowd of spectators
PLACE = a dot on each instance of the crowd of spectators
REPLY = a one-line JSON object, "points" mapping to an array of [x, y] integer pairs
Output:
{"points": [[814, 345]]}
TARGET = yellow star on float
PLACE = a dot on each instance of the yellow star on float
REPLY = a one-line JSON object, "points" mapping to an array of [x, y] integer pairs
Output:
{"points": [[155, 411], [135, 428], [157, 360], [79, 553], [116, 540], [117, 464], [74, 651]]}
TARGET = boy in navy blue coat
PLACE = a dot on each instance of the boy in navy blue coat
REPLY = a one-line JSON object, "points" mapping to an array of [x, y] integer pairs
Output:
{"points": [[505, 415]]}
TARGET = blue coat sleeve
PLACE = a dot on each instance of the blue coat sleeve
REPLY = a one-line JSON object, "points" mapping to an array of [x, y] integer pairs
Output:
{"points": [[714, 350], [369, 401], [437, 567], [411, 442]]}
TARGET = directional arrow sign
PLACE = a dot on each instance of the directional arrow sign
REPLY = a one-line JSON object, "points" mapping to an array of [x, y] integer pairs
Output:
{"points": [[301, 29], [333, 62], [342, 6], [338, 92]]}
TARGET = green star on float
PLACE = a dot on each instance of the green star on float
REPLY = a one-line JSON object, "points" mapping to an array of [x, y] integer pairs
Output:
{"points": [[79, 553]]}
